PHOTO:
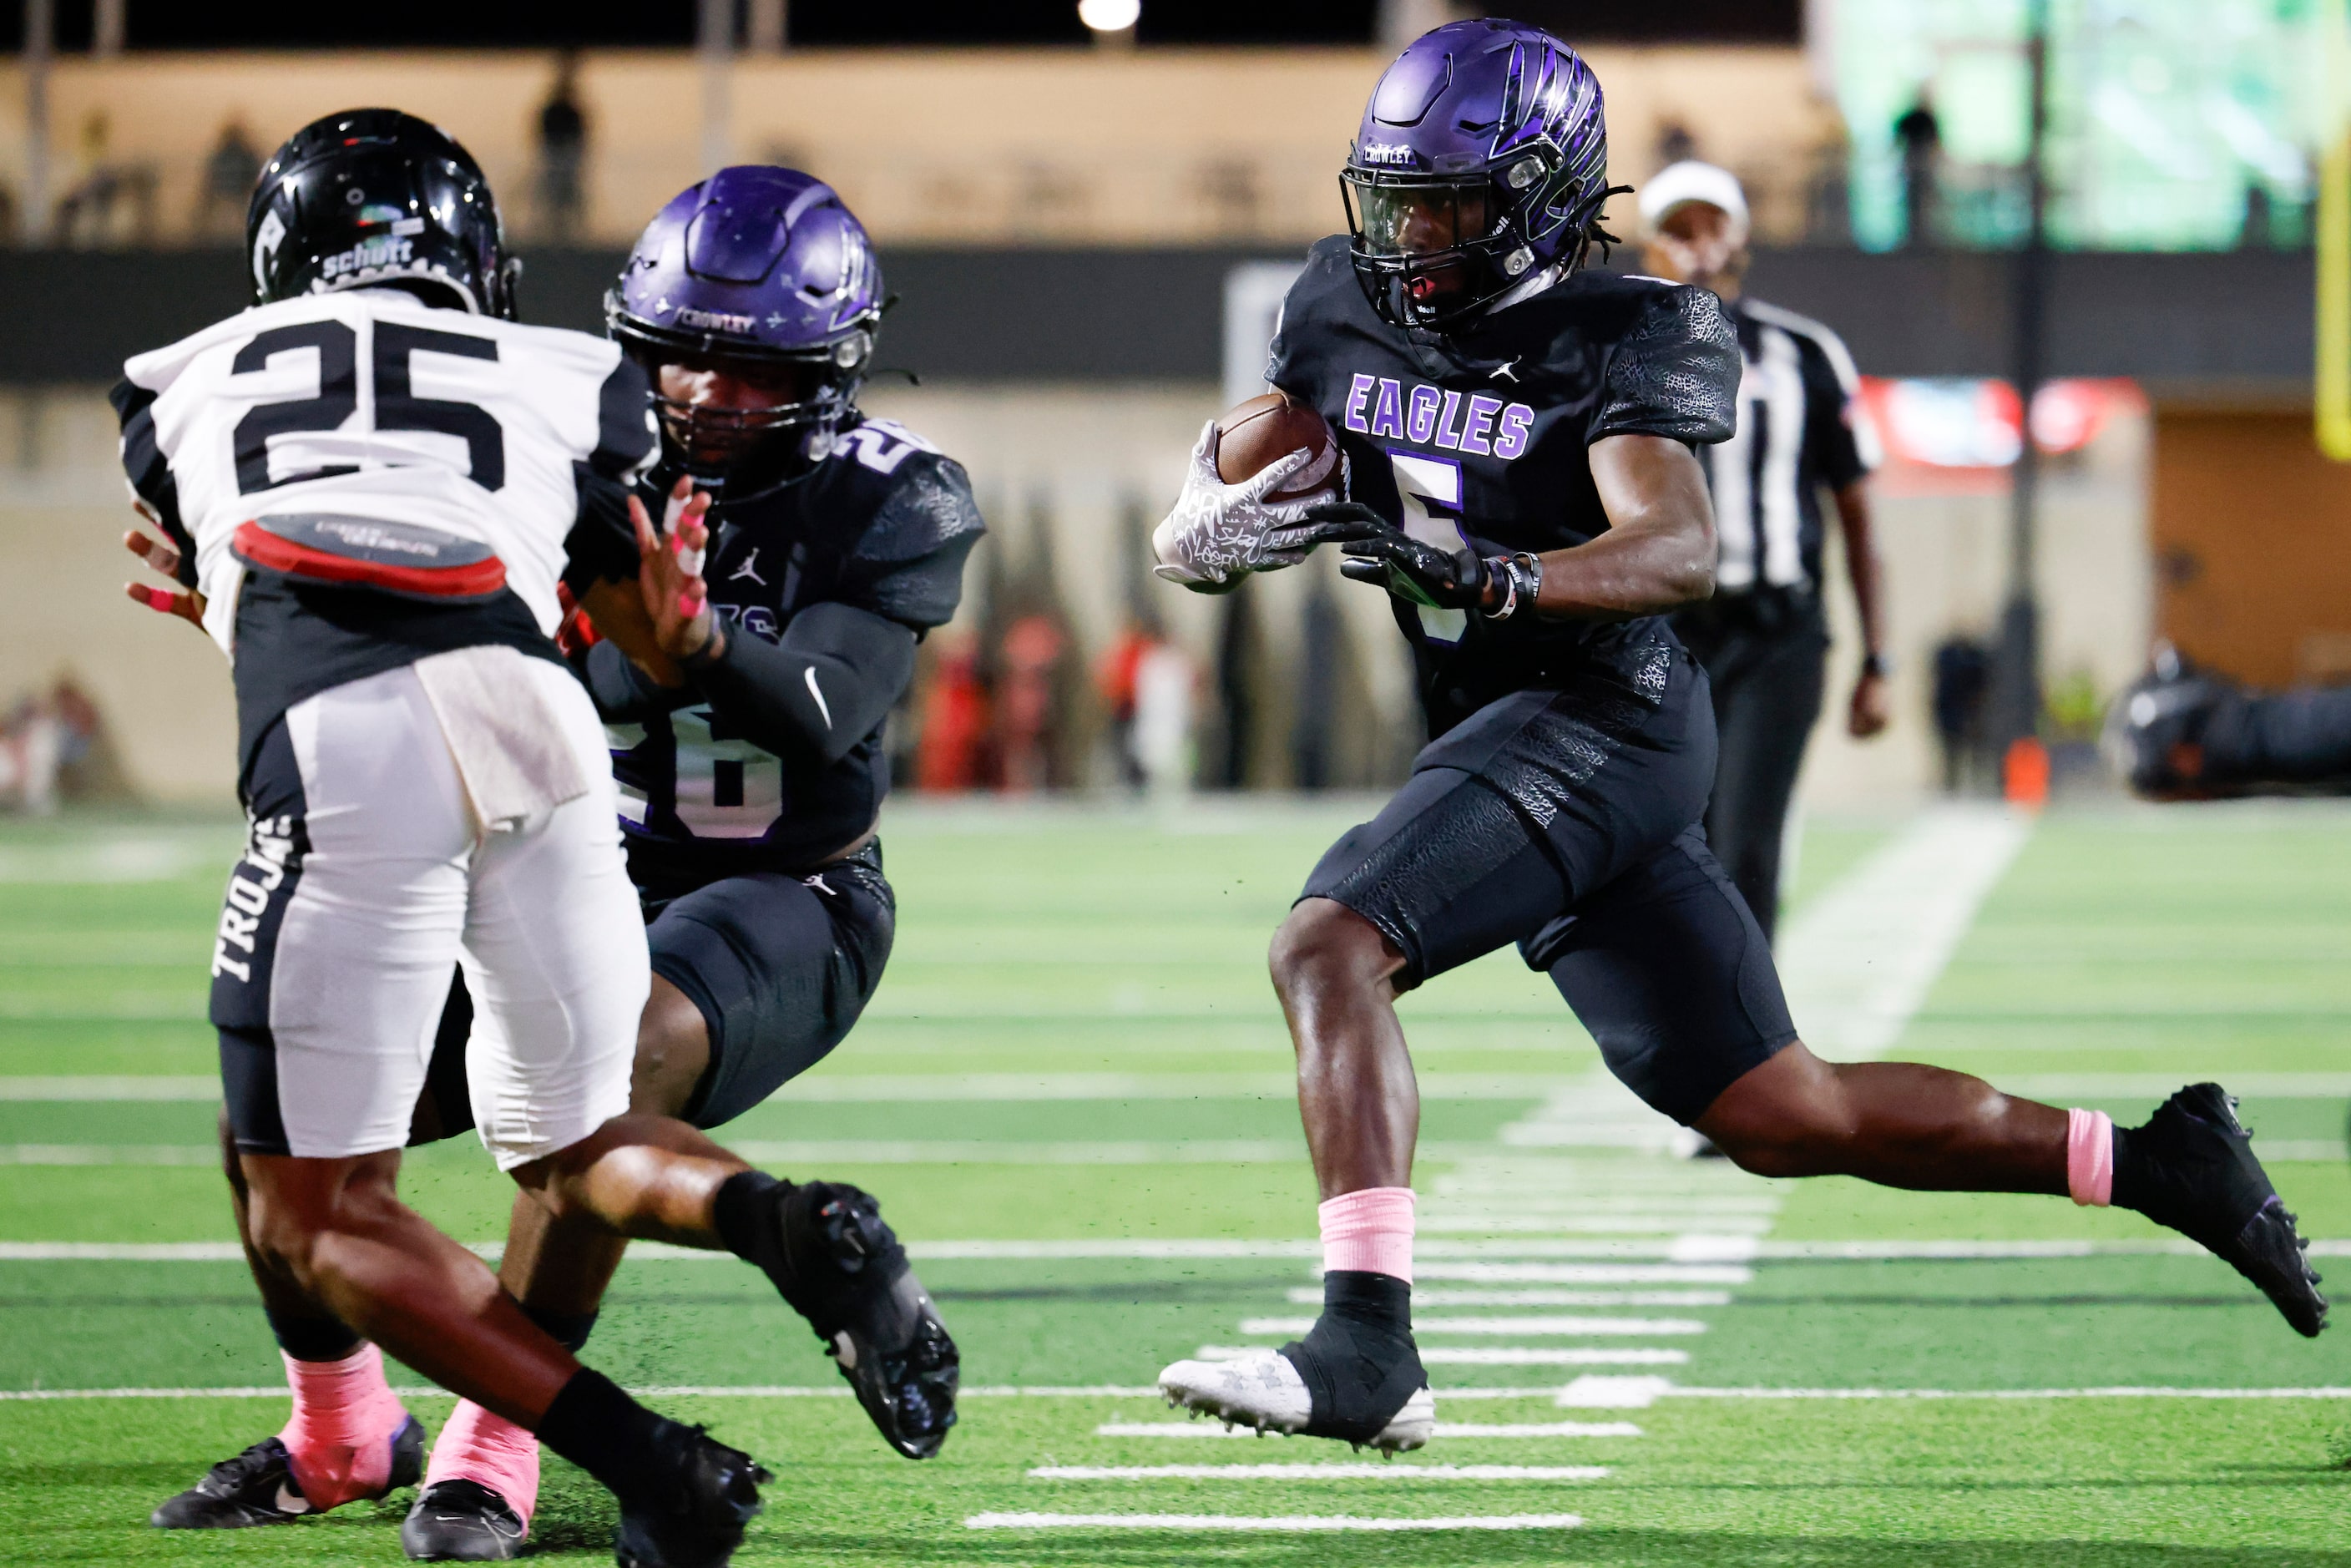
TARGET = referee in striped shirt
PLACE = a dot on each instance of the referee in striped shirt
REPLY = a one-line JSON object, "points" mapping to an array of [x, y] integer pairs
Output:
{"points": [[1763, 637]]}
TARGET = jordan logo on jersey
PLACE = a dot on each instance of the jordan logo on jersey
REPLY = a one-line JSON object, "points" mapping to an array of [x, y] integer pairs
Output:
{"points": [[1424, 415]]}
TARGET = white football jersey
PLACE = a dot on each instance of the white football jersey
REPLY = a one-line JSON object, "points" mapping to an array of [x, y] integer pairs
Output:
{"points": [[371, 404]]}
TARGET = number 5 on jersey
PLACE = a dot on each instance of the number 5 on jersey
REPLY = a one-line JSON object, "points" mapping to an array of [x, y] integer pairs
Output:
{"points": [[1430, 488]]}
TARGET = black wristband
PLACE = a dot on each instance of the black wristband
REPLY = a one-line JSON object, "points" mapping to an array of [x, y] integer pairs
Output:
{"points": [[713, 649], [1499, 575], [1876, 665]]}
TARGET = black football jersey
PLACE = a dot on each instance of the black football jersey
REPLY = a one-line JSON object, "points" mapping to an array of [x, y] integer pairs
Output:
{"points": [[882, 524], [1479, 436]]}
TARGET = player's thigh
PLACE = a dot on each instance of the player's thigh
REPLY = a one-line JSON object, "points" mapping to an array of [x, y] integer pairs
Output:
{"points": [[1448, 871], [780, 968], [1670, 974], [1607, 769], [555, 960], [342, 923]]}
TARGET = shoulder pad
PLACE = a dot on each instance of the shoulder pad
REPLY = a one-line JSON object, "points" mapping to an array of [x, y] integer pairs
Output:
{"points": [[1328, 276], [925, 500], [1674, 370]]}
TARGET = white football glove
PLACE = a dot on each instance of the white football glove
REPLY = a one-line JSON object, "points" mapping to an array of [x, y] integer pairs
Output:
{"points": [[1221, 532]]}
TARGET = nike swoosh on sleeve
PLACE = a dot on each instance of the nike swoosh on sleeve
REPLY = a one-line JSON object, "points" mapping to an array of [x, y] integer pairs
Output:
{"points": [[822, 705]]}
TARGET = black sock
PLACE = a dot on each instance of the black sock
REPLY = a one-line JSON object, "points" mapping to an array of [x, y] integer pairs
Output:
{"points": [[1358, 1362], [745, 1201], [1380, 1304], [570, 1329], [313, 1339], [605, 1433], [2132, 1170]]}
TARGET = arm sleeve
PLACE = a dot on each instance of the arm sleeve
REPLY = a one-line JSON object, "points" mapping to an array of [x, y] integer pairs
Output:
{"points": [[602, 546], [143, 464], [1832, 388], [622, 693], [1674, 373], [835, 676]]}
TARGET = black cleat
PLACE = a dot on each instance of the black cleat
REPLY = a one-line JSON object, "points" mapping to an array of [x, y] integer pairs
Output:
{"points": [[2192, 1167], [692, 1514], [462, 1521], [2153, 734], [846, 1274], [257, 1487]]}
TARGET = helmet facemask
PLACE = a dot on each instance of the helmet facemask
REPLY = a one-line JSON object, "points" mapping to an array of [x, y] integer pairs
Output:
{"points": [[1432, 250], [748, 447]]}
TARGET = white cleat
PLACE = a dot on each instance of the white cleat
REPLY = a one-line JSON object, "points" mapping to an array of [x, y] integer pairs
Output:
{"points": [[1264, 1391]]}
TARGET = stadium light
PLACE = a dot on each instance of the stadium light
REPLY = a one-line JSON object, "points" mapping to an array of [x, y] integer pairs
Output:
{"points": [[1112, 21]]}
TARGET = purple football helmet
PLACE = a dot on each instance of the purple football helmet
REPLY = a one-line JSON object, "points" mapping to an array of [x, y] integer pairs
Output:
{"points": [[1482, 160], [763, 273]]}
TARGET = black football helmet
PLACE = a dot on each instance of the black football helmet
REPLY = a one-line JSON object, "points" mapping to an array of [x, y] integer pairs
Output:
{"points": [[372, 196]]}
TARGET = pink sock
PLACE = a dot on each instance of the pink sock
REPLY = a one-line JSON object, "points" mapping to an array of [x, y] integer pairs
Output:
{"points": [[490, 1450], [2089, 1157], [339, 1437], [1369, 1230]]}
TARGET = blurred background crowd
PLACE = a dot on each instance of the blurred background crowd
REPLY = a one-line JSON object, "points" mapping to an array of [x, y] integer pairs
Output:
{"points": [[1090, 211]]}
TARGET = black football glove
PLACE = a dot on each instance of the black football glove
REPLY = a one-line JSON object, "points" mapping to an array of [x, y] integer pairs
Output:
{"points": [[1379, 552]]}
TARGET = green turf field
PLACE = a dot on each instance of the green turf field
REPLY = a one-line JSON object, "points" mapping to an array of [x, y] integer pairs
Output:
{"points": [[1072, 1095]]}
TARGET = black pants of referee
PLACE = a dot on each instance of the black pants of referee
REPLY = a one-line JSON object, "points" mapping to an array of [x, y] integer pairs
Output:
{"points": [[1767, 661]]}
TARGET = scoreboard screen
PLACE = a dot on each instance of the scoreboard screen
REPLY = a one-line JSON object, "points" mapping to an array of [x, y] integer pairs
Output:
{"points": [[2173, 124]]}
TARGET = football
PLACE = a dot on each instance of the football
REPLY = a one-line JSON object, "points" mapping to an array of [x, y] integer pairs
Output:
{"points": [[1256, 434]]}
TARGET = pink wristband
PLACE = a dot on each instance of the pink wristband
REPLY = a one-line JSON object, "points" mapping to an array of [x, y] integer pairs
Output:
{"points": [[2089, 1157]]}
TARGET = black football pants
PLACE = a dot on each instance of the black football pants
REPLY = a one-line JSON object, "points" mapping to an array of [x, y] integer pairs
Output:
{"points": [[1768, 688]]}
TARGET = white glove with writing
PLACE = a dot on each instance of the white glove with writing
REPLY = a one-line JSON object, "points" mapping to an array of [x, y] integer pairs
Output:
{"points": [[1219, 532]]}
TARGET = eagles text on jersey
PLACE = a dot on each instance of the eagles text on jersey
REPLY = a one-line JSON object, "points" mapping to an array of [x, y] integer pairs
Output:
{"points": [[1478, 436]]}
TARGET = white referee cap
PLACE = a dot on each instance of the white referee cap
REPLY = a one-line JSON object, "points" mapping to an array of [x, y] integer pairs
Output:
{"points": [[1676, 185]]}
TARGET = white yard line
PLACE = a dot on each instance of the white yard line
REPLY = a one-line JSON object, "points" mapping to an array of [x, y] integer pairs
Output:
{"points": [[2076, 1087], [1553, 1327], [1440, 1296], [1498, 1224], [2127, 1392], [109, 1155], [1335, 1472], [1497, 1272], [1281, 1525], [1653, 1387], [672, 1391], [1583, 1273], [142, 858], [1858, 959], [1501, 1219], [1503, 1432], [111, 1087], [1495, 1355], [879, 1089]]}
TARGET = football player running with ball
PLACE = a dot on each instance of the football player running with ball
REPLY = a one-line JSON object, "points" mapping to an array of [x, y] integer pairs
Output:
{"points": [[371, 484], [1519, 435]]}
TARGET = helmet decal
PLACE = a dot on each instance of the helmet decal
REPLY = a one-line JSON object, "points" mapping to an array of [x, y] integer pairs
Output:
{"points": [[373, 197]]}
